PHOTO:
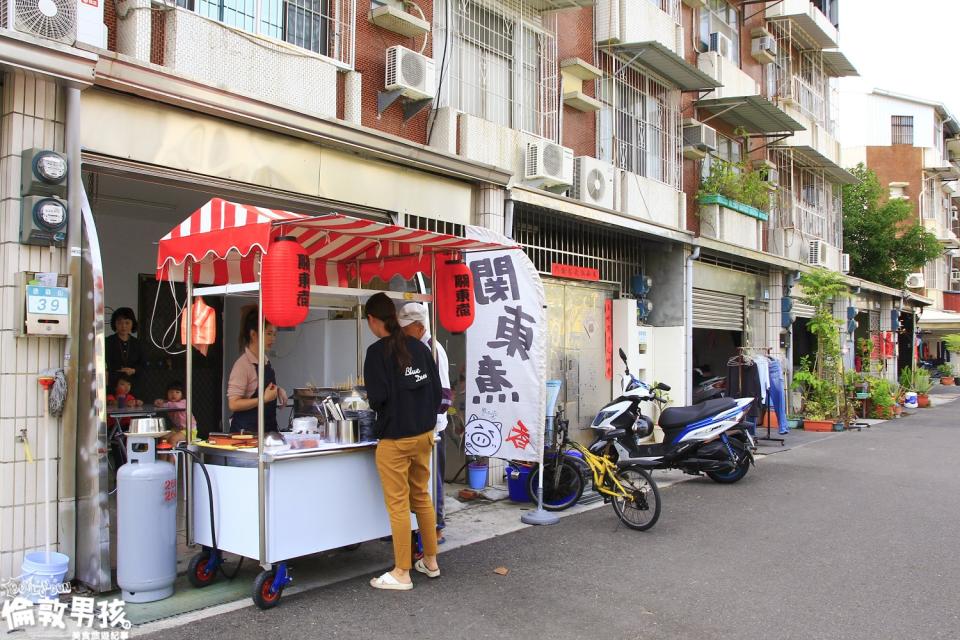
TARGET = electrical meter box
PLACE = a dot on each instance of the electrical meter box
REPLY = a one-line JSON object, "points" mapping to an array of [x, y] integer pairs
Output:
{"points": [[43, 173], [635, 338], [43, 305], [43, 187]]}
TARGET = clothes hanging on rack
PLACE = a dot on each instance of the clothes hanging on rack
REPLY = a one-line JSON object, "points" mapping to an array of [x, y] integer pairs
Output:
{"points": [[763, 371], [778, 396], [743, 381]]}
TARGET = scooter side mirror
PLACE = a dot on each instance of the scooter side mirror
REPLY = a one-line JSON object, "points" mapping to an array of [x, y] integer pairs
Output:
{"points": [[623, 356], [662, 387]]}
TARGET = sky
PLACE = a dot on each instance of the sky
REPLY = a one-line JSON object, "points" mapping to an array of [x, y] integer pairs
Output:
{"points": [[904, 46]]}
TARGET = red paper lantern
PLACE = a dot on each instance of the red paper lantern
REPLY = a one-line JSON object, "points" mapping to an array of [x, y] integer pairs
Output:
{"points": [[285, 279], [455, 305]]}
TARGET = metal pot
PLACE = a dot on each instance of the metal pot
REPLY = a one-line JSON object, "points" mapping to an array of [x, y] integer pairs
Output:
{"points": [[147, 425]]}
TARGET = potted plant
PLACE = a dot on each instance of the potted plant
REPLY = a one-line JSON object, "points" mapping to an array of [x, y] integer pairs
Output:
{"points": [[882, 398], [820, 381], [946, 373], [735, 188], [918, 380]]}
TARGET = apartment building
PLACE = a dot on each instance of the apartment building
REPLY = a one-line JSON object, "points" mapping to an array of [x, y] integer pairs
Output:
{"points": [[581, 129], [913, 145]]}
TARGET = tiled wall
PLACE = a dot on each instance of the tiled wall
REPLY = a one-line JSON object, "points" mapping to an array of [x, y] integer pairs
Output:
{"points": [[32, 115]]}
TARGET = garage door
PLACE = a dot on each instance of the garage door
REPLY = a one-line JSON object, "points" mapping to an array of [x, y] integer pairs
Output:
{"points": [[714, 310]]}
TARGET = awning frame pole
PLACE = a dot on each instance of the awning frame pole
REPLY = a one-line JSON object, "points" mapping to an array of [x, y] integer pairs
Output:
{"points": [[261, 463], [188, 475]]}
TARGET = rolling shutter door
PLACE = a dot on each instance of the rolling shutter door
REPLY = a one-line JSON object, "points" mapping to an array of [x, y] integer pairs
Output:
{"points": [[802, 310], [713, 310]]}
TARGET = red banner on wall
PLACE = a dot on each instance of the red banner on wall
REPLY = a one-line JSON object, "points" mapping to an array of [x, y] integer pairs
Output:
{"points": [[608, 337], [574, 272]]}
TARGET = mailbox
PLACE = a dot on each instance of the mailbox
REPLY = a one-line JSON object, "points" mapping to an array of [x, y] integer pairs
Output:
{"points": [[44, 305]]}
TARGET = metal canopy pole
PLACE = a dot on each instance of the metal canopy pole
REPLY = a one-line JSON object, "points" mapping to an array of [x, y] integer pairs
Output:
{"points": [[261, 465], [433, 349], [188, 476]]}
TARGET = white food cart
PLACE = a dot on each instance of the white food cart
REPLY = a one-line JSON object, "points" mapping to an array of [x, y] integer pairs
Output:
{"points": [[307, 500]]}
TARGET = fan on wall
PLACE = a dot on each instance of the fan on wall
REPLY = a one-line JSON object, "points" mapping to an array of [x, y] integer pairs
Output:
{"points": [[51, 19]]}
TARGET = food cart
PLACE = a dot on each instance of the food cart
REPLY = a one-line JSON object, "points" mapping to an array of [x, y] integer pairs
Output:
{"points": [[311, 499]]}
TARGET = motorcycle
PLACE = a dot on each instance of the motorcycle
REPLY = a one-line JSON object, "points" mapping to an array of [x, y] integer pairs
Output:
{"points": [[707, 386], [705, 438]]}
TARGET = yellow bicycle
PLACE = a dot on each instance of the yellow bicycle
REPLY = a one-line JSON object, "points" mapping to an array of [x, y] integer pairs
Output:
{"points": [[629, 488]]}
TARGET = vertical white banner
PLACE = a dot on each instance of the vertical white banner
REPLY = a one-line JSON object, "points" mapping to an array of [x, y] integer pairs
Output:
{"points": [[506, 355]]}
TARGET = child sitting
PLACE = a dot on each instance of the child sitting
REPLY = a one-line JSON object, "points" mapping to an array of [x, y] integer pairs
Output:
{"points": [[178, 419], [122, 398]]}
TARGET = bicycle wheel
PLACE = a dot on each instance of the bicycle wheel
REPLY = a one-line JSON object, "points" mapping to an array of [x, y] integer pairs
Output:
{"points": [[562, 484], [643, 511]]}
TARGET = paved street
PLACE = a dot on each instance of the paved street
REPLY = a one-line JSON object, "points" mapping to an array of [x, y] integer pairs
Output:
{"points": [[852, 536]]}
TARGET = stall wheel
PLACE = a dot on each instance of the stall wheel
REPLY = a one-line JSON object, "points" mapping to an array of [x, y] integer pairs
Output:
{"points": [[201, 572], [266, 594]]}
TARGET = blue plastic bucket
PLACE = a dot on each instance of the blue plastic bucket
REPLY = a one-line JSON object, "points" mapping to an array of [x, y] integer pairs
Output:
{"points": [[477, 475], [518, 482], [40, 578]]}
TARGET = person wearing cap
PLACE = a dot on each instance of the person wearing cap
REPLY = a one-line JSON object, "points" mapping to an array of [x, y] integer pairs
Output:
{"points": [[413, 320]]}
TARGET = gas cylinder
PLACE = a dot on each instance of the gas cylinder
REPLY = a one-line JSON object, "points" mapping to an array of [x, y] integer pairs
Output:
{"points": [[146, 523]]}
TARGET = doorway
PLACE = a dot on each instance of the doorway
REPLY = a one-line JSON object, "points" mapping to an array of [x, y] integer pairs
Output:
{"points": [[577, 348]]}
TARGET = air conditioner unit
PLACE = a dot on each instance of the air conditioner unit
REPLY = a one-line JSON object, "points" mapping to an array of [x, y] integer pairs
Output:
{"points": [[845, 262], [593, 181], [548, 164], [764, 49], [64, 21], [817, 254], [721, 44], [410, 72], [698, 139], [607, 20], [915, 281]]}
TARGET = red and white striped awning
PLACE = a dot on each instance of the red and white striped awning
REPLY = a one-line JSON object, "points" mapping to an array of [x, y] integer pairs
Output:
{"points": [[224, 241]]}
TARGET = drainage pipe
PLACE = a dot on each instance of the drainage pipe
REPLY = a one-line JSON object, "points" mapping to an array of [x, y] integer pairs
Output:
{"points": [[688, 324]]}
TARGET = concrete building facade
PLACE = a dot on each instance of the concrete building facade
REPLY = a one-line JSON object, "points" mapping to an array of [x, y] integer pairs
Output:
{"points": [[581, 129]]}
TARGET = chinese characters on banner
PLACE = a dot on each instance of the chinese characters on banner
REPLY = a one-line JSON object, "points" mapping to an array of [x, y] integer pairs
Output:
{"points": [[506, 355]]}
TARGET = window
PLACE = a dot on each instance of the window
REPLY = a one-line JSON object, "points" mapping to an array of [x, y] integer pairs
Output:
{"points": [[639, 123], [322, 26], [901, 129], [720, 17], [504, 68], [728, 150]]}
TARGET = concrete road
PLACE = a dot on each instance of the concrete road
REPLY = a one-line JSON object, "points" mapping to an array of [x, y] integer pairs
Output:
{"points": [[853, 536]]}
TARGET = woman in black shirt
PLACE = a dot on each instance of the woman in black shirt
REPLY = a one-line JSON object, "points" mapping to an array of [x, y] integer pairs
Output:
{"points": [[123, 352], [403, 387]]}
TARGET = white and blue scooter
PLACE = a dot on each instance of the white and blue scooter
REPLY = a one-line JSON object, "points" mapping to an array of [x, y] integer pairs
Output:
{"points": [[709, 437]]}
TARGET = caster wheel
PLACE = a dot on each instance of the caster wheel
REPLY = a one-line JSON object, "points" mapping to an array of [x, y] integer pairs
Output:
{"points": [[198, 573], [263, 594]]}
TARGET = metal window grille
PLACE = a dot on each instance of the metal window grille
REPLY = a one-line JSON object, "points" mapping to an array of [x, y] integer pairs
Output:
{"points": [[799, 78], [325, 27], [548, 238], [436, 226], [503, 65], [929, 201], [728, 150], [720, 16], [733, 265], [640, 123], [901, 129], [807, 200], [670, 7]]}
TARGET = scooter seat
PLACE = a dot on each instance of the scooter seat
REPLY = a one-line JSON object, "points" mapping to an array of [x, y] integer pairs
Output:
{"points": [[682, 416]]}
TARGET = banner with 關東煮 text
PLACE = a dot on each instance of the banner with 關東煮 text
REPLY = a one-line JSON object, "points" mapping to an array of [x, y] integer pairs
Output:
{"points": [[506, 355]]}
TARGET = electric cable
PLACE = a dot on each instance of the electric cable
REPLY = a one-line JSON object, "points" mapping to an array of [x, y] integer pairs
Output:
{"points": [[170, 334], [443, 62]]}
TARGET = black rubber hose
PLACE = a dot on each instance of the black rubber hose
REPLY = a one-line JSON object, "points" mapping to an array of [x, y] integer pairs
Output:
{"points": [[213, 530]]}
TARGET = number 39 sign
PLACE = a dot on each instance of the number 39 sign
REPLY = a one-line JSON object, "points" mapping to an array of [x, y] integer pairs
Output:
{"points": [[52, 301]]}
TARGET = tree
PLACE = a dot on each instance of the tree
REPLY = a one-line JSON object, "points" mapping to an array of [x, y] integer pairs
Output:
{"points": [[885, 242]]}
